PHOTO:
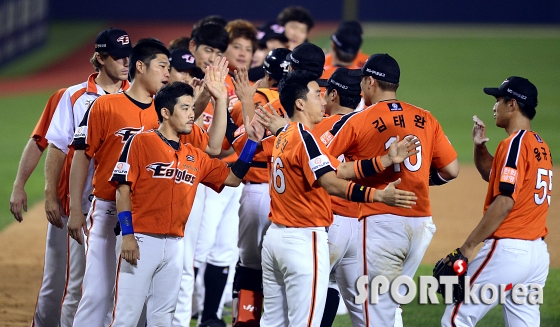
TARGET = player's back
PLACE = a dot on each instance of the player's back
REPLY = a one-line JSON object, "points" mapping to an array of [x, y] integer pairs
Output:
{"points": [[369, 133], [296, 198], [523, 168]]}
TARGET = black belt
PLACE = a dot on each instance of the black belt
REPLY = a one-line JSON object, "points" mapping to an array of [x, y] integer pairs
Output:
{"points": [[259, 164]]}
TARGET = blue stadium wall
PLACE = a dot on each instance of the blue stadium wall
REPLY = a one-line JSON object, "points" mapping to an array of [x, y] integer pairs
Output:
{"points": [[425, 11]]}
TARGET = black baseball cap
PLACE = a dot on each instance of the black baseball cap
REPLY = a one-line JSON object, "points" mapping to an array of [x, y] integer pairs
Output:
{"points": [[308, 56], [347, 40], [270, 31], [182, 59], [518, 88], [345, 83], [382, 67], [114, 41]]}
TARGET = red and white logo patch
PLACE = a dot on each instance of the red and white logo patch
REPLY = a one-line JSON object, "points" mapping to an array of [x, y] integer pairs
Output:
{"points": [[188, 58], [509, 175], [123, 39]]}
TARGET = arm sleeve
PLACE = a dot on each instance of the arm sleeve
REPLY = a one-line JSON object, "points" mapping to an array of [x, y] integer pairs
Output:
{"points": [[511, 169], [126, 170], [214, 172], [314, 158], [61, 130], [40, 130], [91, 133], [342, 135]]}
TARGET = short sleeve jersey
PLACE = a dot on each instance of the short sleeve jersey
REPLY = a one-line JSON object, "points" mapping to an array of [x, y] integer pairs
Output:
{"points": [[40, 131], [163, 181], [107, 125], [522, 169], [298, 161], [359, 61], [339, 206], [368, 133]]}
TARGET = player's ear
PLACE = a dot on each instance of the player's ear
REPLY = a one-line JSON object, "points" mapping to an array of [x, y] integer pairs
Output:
{"points": [[165, 113], [140, 66], [300, 104], [192, 46]]}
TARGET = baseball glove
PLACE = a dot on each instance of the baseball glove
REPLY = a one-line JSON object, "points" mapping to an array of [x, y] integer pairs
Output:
{"points": [[443, 268]]}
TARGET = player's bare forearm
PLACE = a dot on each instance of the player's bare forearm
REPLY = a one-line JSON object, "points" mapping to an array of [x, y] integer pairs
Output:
{"points": [[201, 102], [232, 180], [483, 161], [53, 167], [491, 220], [217, 131], [334, 185], [450, 172], [248, 110], [123, 200], [27, 164], [78, 175]]}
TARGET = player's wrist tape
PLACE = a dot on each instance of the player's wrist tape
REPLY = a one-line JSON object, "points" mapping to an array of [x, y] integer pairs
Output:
{"points": [[368, 167], [359, 193], [435, 178], [243, 163], [125, 219]]}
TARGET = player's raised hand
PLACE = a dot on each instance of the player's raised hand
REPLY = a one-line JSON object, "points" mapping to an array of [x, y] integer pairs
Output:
{"points": [[130, 250], [479, 131], [54, 210], [215, 77], [255, 130], [270, 118], [77, 224], [398, 151], [243, 88], [395, 197], [18, 201], [198, 86]]}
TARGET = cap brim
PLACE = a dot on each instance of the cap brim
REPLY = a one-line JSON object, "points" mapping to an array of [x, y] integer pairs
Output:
{"points": [[121, 53], [322, 82], [493, 91], [355, 72]]}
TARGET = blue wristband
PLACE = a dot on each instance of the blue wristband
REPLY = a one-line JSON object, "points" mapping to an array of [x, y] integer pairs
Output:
{"points": [[248, 151], [125, 219]]}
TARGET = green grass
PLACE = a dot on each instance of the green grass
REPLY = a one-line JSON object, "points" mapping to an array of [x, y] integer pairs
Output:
{"points": [[63, 39]]}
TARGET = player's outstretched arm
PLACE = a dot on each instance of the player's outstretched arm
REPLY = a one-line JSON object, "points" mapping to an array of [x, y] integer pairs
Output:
{"points": [[53, 168], [398, 151], [255, 132], [270, 118], [78, 175], [215, 75], [482, 158], [129, 248], [245, 92], [359, 193], [201, 96], [29, 160], [444, 175]]}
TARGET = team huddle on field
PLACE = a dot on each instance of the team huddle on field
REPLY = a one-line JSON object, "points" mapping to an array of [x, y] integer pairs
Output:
{"points": [[245, 165]]}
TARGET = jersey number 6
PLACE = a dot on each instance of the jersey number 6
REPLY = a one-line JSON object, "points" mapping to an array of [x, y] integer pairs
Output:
{"points": [[407, 164], [278, 179]]}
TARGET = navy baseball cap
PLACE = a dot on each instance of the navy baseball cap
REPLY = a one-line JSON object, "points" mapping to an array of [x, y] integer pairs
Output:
{"points": [[182, 59], [308, 56], [271, 31], [382, 67], [347, 39], [518, 88], [114, 41], [345, 83]]}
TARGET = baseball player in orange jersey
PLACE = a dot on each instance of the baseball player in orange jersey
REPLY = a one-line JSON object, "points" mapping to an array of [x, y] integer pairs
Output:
{"points": [[156, 161], [112, 48], [102, 139], [345, 46], [297, 234], [342, 97], [255, 199], [398, 236], [513, 226], [52, 284], [345, 28]]}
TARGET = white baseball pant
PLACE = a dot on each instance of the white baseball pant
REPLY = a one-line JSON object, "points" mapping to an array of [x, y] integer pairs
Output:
{"points": [[503, 261], [343, 250], [391, 246], [183, 311], [295, 265], [157, 274]]}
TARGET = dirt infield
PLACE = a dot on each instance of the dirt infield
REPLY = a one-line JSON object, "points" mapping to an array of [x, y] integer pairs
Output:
{"points": [[456, 209]]}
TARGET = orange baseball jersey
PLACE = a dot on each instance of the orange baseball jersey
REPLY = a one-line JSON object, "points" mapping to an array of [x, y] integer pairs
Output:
{"points": [[339, 206], [359, 61], [110, 121], [522, 169], [39, 133], [368, 133], [163, 181], [329, 70], [298, 161], [44, 122]]}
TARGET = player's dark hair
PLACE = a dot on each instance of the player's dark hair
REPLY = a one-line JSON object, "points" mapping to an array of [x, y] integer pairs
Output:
{"points": [[212, 19], [348, 101], [241, 28], [344, 56], [388, 87], [145, 50], [293, 87], [526, 110], [96, 64], [298, 14], [168, 95], [212, 35], [179, 43]]}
